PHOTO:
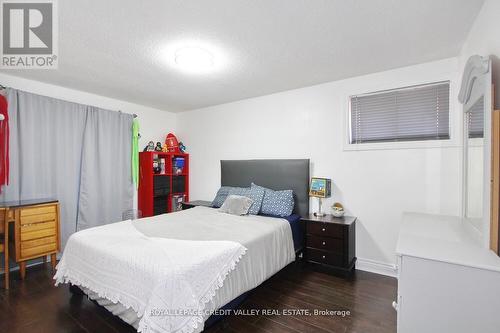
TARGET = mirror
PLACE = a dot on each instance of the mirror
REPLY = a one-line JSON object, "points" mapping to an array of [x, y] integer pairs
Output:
{"points": [[474, 162], [479, 181]]}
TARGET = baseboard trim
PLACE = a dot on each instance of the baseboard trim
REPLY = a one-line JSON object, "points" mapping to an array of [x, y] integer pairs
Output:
{"points": [[377, 267], [366, 265]]}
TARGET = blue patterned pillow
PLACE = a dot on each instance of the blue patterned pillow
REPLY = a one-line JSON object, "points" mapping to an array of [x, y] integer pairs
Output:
{"points": [[276, 203], [254, 193], [221, 196]]}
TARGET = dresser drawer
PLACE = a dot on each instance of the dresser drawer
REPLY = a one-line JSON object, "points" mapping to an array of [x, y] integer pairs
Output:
{"points": [[38, 210], [38, 230], [325, 229], [38, 242], [325, 243], [39, 218], [38, 251], [324, 257], [38, 226]]}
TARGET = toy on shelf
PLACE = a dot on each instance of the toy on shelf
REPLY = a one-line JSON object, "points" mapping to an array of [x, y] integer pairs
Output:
{"points": [[162, 164], [164, 149], [182, 147], [178, 165], [156, 167], [150, 146], [172, 143], [158, 146]]}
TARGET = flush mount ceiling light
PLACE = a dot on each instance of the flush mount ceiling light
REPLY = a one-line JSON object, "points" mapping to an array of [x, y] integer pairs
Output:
{"points": [[194, 59], [195, 56]]}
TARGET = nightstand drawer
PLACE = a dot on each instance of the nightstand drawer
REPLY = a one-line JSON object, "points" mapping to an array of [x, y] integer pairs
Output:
{"points": [[325, 243], [325, 229], [324, 257]]}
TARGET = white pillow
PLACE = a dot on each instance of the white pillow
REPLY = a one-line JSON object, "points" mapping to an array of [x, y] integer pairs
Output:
{"points": [[236, 205]]}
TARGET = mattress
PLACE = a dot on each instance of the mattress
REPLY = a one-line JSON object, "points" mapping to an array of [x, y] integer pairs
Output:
{"points": [[269, 243], [297, 230]]}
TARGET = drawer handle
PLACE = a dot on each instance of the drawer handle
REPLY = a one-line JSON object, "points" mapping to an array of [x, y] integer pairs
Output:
{"points": [[324, 257], [324, 243], [323, 229]]}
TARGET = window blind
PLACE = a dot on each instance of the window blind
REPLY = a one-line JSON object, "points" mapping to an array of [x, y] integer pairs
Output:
{"points": [[405, 114], [475, 118]]}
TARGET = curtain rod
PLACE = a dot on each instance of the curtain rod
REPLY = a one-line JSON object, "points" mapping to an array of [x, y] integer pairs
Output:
{"points": [[133, 114], [4, 87]]}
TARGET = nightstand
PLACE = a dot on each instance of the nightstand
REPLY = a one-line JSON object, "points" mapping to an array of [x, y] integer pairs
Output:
{"points": [[191, 204], [331, 242]]}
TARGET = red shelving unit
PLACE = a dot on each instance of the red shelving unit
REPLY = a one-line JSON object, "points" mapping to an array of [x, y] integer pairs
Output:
{"points": [[157, 190]]}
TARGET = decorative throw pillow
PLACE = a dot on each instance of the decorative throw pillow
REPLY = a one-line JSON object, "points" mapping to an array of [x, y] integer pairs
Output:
{"points": [[236, 205], [256, 194], [221, 196], [276, 203]]}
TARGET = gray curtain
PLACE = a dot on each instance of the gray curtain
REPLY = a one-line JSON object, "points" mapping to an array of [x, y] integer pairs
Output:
{"points": [[56, 149], [105, 183]]}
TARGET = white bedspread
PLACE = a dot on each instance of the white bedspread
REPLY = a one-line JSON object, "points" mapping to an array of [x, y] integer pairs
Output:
{"points": [[167, 282], [268, 242]]}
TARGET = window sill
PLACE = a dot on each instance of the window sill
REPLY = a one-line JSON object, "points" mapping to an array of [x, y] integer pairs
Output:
{"points": [[428, 144], [476, 142]]}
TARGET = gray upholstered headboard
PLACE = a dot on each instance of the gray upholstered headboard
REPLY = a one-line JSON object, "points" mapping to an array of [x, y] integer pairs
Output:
{"points": [[274, 174]]}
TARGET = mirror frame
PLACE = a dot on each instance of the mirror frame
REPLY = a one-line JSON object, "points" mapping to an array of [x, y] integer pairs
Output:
{"points": [[476, 84]]}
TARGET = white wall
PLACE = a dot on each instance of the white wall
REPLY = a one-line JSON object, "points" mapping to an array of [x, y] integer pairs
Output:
{"points": [[154, 123], [484, 40], [376, 185]]}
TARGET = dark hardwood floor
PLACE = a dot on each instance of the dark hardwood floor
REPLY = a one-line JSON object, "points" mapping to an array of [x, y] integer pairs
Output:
{"points": [[35, 305]]}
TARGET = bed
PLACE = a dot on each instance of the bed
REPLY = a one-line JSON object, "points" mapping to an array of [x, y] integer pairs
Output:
{"points": [[172, 272]]}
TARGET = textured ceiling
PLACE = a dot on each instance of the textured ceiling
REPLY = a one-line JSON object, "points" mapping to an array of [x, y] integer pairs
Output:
{"points": [[119, 48]]}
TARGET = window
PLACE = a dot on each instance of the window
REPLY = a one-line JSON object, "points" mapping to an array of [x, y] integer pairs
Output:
{"points": [[406, 114]]}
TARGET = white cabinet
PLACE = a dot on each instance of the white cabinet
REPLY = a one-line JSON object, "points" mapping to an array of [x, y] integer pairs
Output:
{"points": [[447, 282]]}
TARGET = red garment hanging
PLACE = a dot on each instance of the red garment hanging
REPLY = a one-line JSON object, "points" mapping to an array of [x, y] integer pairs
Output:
{"points": [[4, 143]]}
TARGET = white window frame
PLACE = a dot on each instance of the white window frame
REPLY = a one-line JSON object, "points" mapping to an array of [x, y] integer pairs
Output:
{"points": [[455, 119]]}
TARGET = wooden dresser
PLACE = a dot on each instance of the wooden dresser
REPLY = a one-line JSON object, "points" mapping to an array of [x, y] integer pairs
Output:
{"points": [[34, 225], [330, 242]]}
